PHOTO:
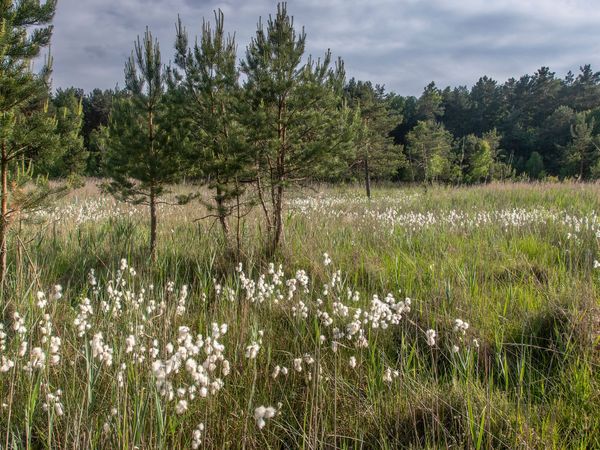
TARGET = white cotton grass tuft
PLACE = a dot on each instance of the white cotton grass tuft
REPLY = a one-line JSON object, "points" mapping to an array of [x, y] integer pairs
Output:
{"points": [[430, 335], [197, 436], [56, 292], [181, 407], [460, 326], [298, 364], [252, 350], [187, 367], [389, 375], [41, 300], [262, 413]]}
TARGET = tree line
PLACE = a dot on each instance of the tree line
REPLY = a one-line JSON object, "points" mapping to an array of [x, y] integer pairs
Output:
{"points": [[532, 127], [247, 130]]}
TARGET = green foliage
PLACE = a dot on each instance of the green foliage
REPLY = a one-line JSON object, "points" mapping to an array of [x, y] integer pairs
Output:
{"points": [[531, 113], [213, 111], [486, 106], [98, 147], [375, 152], [583, 150], [535, 166], [97, 106], [429, 152], [143, 154], [553, 136], [477, 159], [429, 106], [297, 123], [141, 157], [70, 155], [27, 131]]}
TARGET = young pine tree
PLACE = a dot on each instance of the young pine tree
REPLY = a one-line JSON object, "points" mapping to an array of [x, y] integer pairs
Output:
{"points": [[374, 148], [142, 150], [27, 131], [297, 122], [217, 150]]}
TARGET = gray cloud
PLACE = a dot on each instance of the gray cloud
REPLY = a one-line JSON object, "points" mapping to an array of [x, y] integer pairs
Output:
{"points": [[403, 44]]}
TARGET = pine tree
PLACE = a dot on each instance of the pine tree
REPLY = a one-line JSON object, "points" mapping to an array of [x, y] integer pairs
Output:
{"points": [[70, 160], [583, 151], [554, 134], [212, 107], [585, 90], [457, 110], [486, 105], [97, 147], [26, 128], [97, 106], [429, 106], [375, 151], [297, 122], [142, 155]]}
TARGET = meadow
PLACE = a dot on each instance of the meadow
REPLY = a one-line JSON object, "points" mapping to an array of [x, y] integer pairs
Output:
{"points": [[423, 318]]}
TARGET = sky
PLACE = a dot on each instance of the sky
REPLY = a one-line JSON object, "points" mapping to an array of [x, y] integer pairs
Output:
{"points": [[402, 44]]}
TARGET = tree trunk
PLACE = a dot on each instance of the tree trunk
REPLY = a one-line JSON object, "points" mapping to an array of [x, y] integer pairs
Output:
{"points": [[3, 212], [278, 219], [261, 197], [222, 213], [277, 193], [367, 178], [152, 224], [152, 186], [238, 238]]}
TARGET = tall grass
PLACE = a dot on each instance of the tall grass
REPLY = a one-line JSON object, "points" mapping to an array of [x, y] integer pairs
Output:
{"points": [[514, 261]]}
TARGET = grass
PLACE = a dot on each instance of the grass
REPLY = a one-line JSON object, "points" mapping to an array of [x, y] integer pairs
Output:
{"points": [[515, 261]]}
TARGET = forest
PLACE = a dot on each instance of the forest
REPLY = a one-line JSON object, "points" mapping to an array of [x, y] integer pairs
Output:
{"points": [[530, 127], [527, 127]]}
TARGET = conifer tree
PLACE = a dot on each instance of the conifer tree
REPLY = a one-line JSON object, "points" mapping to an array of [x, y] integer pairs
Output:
{"points": [[583, 151], [97, 106], [142, 152], [97, 147], [26, 130], [70, 159], [429, 106], [374, 147], [217, 150], [297, 122]]}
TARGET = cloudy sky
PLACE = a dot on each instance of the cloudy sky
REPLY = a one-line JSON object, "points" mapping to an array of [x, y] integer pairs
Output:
{"points": [[403, 44]]}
